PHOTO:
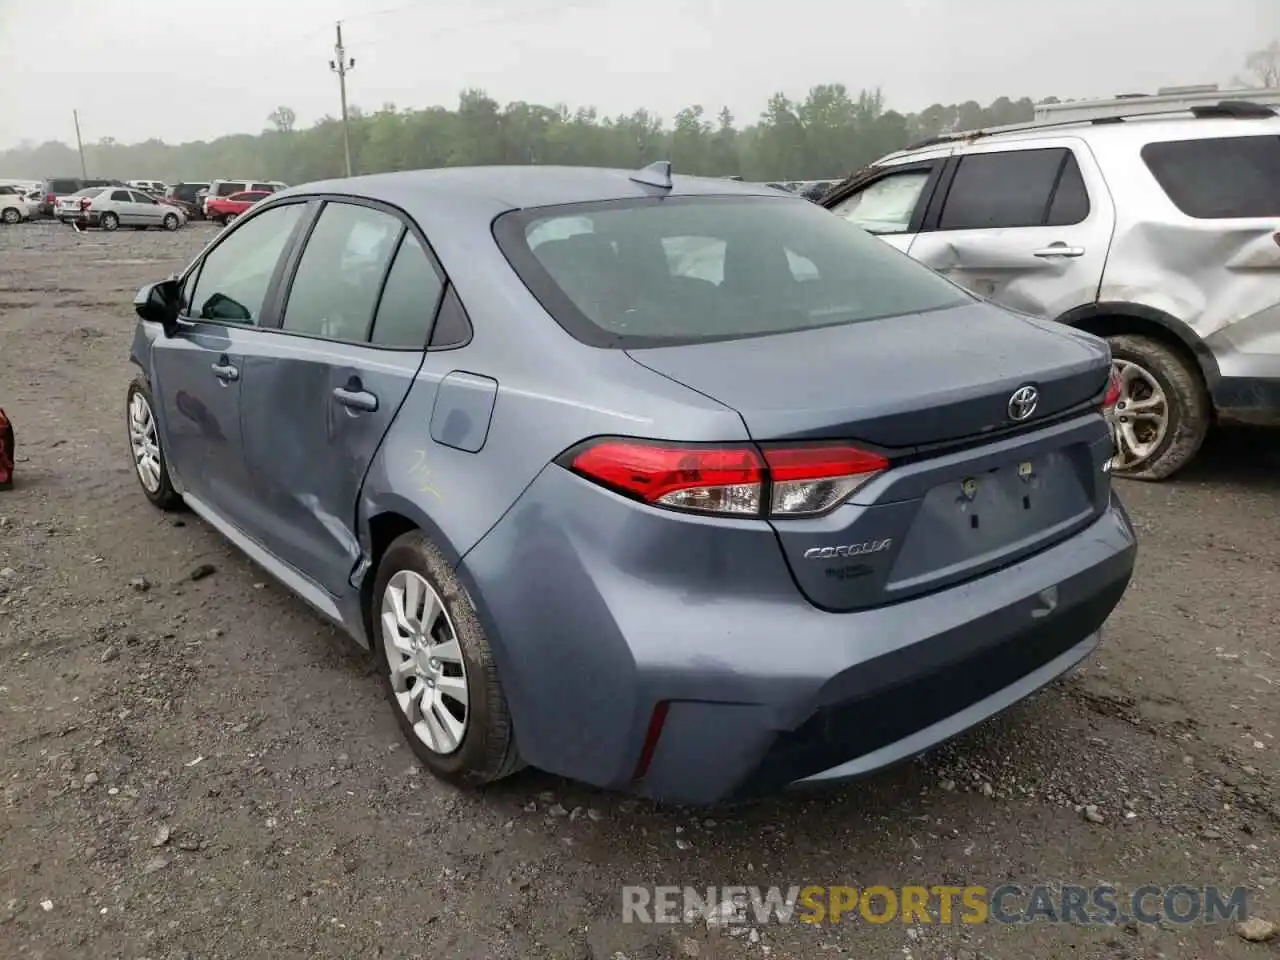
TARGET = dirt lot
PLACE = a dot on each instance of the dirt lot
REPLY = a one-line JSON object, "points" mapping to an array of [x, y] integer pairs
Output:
{"points": [[199, 767]]}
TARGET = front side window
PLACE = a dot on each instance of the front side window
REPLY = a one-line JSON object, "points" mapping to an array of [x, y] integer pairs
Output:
{"points": [[885, 206], [340, 273], [1221, 178], [236, 274], [690, 269]]}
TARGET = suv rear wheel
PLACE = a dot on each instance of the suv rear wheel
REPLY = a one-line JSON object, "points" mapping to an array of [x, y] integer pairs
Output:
{"points": [[1163, 413]]}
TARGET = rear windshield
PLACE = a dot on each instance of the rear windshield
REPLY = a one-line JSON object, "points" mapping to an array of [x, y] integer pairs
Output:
{"points": [[89, 192], [62, 186], [1223, 178], [690, 269]]}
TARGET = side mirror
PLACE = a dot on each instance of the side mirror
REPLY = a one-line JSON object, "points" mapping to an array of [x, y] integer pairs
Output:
{"points": [[158, 303]]}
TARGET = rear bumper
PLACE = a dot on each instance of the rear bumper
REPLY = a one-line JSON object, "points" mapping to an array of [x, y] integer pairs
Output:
{"points": [[592, 628]]}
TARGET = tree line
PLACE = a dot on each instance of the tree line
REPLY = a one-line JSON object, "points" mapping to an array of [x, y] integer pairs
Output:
{"points": [[827, 134]]}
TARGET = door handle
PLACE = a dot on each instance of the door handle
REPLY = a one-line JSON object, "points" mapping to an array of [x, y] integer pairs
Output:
{"points": [[225, 372], [1058, 250], [356, 399]]}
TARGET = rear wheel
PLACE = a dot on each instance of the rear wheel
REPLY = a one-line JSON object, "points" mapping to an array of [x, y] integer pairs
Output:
{"points": [[230, 218], [144, 442], [110, 221], [171, 222], [1163, 413], [11, 215], [438, 668]]}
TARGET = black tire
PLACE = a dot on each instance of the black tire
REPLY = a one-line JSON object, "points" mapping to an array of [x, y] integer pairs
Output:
{"points": [[488, 749], [11, 215], [110, 221], [164, 497], [1190, 409], [171, 222], [230, 218]]}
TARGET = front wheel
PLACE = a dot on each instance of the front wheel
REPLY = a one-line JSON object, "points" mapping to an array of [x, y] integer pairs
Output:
{"points": [[437, 667], [171, 222], [1163, 413], [144, 442], [110, 221], [11, 215]]}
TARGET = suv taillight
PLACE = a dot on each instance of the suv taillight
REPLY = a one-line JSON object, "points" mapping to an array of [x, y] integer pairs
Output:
{"points": [[50, 198], [778, 480]]}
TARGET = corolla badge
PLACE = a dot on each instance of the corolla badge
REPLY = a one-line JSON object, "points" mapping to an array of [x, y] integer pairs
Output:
{"points": [[848, 550], [1023, 403]]}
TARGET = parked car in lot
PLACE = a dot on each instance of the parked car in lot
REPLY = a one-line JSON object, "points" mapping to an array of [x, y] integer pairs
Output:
{"points": [[152, 187], [1151, 222], [56, 188], [14, 206], [228, 209], [188, 196], [225, 188], [113, 207], [572, 497]]}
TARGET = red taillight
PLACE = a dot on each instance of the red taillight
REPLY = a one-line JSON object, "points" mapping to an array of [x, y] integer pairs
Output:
{"points": [[781, 481], [1113, 392], [85, 202], [49, 198]]}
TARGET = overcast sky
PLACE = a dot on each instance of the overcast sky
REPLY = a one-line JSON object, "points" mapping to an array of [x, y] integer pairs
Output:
{"points": [[194, 69]]}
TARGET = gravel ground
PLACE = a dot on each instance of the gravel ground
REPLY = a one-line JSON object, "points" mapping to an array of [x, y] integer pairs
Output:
{"points": [[193, 765]]}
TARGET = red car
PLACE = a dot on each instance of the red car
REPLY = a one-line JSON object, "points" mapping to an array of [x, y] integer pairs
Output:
{"points": [[226, 209]]}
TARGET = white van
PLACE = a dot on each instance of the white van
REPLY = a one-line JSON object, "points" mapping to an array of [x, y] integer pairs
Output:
{"points": [[225, 188]]}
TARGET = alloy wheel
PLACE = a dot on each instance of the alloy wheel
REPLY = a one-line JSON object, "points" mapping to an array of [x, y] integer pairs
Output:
{"points": [[1141, 415], [428, 674], [146, 446]]}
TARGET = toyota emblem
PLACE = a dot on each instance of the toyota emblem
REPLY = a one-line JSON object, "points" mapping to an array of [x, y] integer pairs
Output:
{"points": [[1023, 403]]}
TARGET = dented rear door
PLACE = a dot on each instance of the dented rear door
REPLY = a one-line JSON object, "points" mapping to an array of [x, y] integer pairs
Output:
{"points": [[1026, 226]]}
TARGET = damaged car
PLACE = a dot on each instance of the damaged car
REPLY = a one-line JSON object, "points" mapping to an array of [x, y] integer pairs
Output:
{"points": [[671, 485], [1151, 222]]}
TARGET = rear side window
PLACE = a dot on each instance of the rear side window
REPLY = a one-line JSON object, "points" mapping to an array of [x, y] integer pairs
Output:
{"points": [[236, 274], [264, 187], [340, 273], [686, 269], [121, 196], [1219, 179], [409, 299], [227, 189], [1015, 188]]}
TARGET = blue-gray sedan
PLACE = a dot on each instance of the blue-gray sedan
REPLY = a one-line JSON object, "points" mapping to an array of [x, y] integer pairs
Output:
{"points": [[673, 485]]}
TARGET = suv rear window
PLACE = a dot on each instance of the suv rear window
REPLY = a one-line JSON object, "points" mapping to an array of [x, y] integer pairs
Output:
{"points": [[1219, 179], [61, 187], [230, 187], [630, 273]]}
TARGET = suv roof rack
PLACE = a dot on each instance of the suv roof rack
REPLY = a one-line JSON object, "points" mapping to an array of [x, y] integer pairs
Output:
{"points": [[1118, 111]]}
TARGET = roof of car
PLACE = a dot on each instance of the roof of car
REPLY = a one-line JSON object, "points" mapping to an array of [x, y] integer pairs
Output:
{"points": [[1142, 129], [521, 187]]}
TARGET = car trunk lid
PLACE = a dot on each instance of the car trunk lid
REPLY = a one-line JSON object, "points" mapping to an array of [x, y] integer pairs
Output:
{"points": [[969, 488]]}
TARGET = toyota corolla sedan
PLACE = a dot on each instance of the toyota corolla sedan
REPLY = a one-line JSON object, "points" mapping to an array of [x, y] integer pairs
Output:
{"points": [[672, 485]]}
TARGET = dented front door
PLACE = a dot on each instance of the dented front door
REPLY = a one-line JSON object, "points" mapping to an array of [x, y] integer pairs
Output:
{"points": [[1025, 226]]}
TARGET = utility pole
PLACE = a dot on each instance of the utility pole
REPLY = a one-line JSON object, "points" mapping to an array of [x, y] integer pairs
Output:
{"points": [[84, 170], [342, 65]]}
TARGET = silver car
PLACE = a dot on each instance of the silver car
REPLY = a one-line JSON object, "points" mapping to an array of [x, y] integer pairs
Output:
{"points": [[113, 207], [1151, 222]]}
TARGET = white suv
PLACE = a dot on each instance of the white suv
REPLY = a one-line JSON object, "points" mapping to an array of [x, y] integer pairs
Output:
{"points": [[1152, 224]]}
